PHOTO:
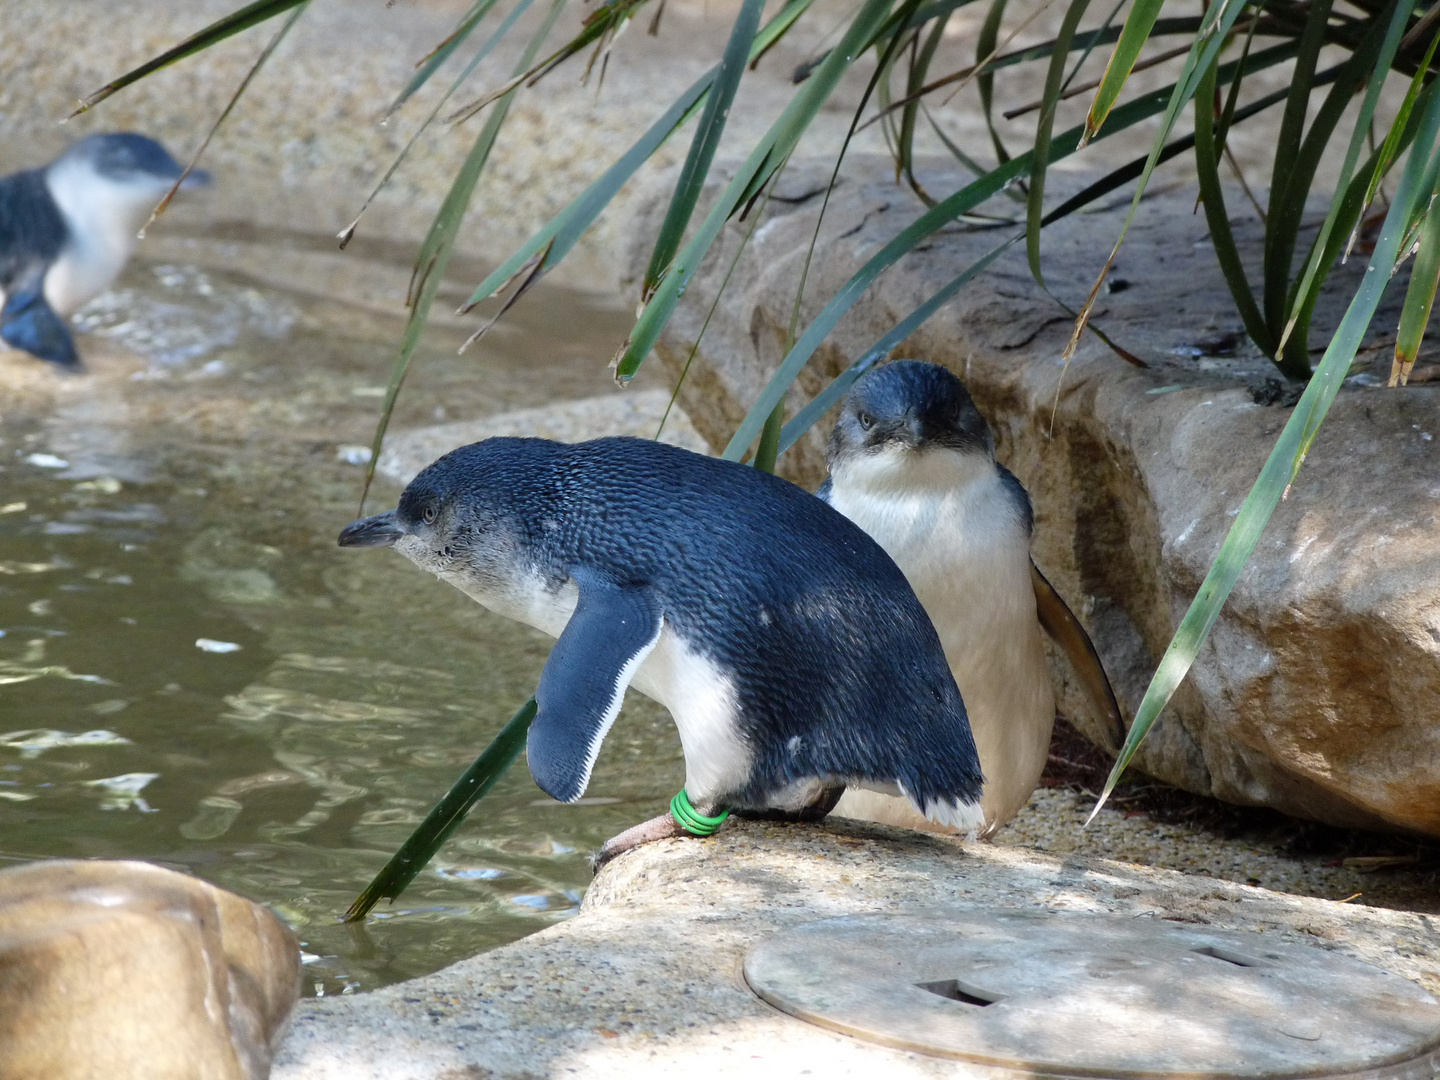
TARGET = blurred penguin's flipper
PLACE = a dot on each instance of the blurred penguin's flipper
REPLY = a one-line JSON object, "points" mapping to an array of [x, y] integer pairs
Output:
{"points": [[28, 322], [1062, 625], [612, 631]]}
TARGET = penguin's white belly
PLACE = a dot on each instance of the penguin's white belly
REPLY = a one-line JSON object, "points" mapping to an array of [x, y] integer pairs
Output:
{"points": [[699, 696], [967, 557], [102, 217], [79, 275]]}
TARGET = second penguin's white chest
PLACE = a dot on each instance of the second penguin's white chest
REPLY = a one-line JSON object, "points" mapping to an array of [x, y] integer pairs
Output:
{"points": [[958, 534], [955, 531]]}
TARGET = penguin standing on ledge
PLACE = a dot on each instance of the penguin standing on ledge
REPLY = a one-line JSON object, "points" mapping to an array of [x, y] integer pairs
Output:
{"points": [[791, 652], [912, 462], [67, 230]]}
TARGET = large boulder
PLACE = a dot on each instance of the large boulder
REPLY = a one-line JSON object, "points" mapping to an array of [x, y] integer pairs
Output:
{"points": [[126, 971], [1317, 690]]}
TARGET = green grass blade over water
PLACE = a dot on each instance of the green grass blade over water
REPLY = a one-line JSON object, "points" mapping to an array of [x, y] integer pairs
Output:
{"points": [[443, 52], [704, 144], [1290, 448], [774, 148], [560, 234], [435, 250], [237, 21], [445, 817]]}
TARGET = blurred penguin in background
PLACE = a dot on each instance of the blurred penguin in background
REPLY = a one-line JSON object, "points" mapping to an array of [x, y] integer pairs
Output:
{"points": [[67, 230], [912, 462]]}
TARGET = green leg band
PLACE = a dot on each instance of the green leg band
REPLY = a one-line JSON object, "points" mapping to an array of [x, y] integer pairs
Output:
{"points": [[691, 820]]}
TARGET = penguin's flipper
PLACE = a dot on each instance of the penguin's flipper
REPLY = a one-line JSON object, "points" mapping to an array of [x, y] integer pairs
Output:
{"points": [[1062, 626], [29, 323], [612, 631]]}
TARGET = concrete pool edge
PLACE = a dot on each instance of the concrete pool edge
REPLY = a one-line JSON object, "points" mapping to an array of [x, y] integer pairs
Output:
{"points": [[646, 980]]}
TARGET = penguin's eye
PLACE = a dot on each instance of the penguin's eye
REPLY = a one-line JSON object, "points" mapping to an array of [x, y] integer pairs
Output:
{"points": [[866, 420], [429, 514]]}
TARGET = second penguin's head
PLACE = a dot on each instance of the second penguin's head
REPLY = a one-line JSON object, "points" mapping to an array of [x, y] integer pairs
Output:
{"points": [[904, 409]]}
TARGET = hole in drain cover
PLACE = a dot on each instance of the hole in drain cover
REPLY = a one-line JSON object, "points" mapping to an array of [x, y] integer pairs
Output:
{"points": [[1230, 956], [955, 990]]}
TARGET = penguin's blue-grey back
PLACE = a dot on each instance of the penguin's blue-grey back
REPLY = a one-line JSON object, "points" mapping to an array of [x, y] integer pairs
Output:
{"points": [[32, 232], [838, 670]]}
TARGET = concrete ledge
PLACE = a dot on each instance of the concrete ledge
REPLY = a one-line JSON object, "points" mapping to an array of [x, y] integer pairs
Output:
{"points": [[646, 981]]}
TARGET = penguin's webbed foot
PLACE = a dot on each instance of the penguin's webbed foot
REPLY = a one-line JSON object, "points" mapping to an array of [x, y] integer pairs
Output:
{"points": [[28, 323], [663, 827]]}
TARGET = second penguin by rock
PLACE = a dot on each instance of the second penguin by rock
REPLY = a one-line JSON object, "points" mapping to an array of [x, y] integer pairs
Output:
{"points": [[912, 462]]}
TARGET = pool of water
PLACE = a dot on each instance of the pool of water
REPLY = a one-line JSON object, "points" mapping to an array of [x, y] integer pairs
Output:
{"points": [[191, 672]]}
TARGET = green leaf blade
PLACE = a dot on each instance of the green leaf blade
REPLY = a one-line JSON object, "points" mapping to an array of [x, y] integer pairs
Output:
{"points": [[1133, 36], [443, 52], [752, 175], [962, 201], [1044, 129], [564, 230], [439, 242], [704, 144], [1419, 299], [447, 814], [237, 21]]}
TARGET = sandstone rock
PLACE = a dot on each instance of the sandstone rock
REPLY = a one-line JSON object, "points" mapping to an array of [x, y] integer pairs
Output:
{"points": [[646, 981], [637, 413], [1316, 692], [126, 970]]}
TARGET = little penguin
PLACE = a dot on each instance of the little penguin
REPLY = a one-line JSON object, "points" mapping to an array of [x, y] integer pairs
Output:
{"points": [[912, 462], [791, 652], [67, 230]]}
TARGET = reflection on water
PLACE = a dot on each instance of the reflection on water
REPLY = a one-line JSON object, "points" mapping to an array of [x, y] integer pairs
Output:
{"points": [[191, 672]]}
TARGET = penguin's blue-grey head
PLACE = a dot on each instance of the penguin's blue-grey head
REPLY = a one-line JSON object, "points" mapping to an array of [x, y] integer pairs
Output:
{"points": [[908, 407], [130, 160], [451, 520]]}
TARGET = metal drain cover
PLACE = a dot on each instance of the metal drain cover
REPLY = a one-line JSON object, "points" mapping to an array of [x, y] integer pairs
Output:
{"points": [[1095, 995]]}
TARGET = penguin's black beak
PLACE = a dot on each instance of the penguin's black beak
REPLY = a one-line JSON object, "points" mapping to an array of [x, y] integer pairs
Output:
{"points": [[910, 431], [382, 530]]}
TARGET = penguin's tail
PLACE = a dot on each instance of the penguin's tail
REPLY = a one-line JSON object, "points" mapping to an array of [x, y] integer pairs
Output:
{"points": [[963, 815]]}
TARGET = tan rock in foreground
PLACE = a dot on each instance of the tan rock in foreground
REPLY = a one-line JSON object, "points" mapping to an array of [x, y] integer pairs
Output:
{"points": [[1318, 689], [125, 970]]}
